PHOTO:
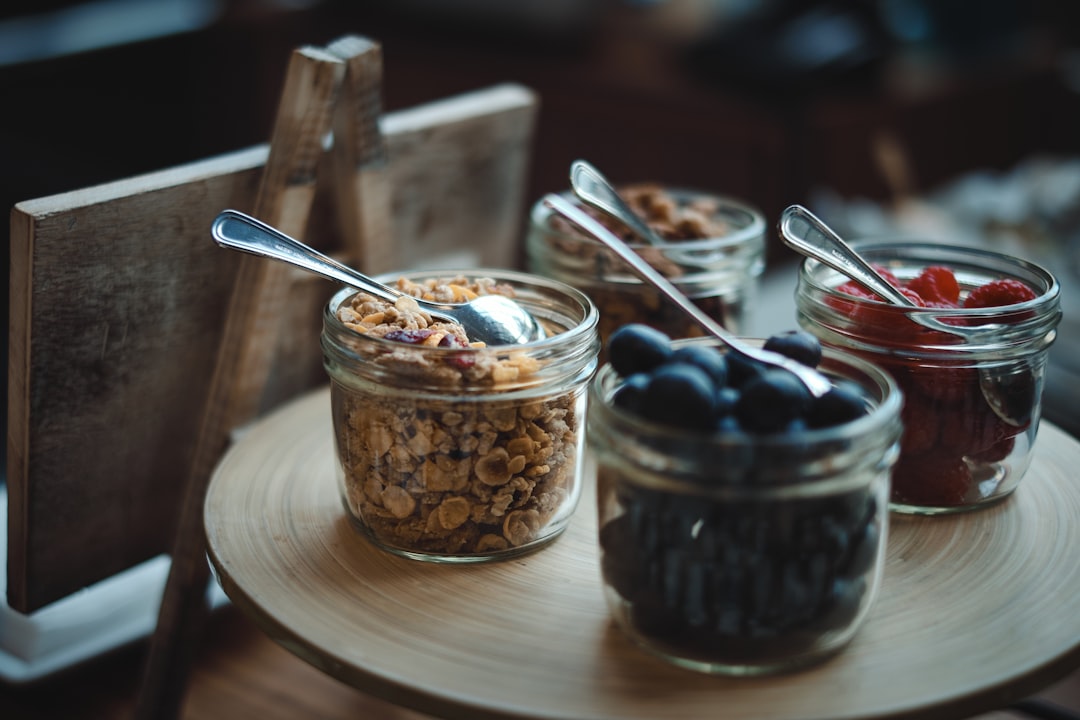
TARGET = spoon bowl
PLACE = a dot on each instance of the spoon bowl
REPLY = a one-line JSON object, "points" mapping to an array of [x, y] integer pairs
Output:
{"points": [[814, 381], [490, 319], [594, 189]]}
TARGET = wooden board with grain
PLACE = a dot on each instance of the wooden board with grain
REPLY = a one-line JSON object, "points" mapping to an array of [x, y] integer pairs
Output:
{"points": [[118, 297], [976, 610], [245, 355]]}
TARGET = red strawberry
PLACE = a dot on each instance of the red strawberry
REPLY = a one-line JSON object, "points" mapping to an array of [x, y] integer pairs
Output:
{"points": [[887, 274], [943, 386], [875, 316], [853, 288], [937, 286], [913, 296], [996, 452], [971, 430], [920, 426], [999, 292], [931, 480], [856, 290]]}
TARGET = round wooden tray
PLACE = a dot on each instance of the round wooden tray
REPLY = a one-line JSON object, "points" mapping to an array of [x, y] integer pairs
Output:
{"points": [[975, 610]]}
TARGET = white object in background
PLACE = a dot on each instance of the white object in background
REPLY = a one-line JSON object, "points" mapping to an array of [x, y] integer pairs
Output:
{"points": [[84, 625]]}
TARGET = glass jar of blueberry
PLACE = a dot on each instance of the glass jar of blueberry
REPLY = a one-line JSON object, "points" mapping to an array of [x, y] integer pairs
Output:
{"points": [[713, 251], [742, 521], [970, 359]]}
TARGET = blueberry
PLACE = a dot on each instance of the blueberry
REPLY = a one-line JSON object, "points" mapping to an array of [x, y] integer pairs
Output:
{"points": [[799, 345], [840, 607], [728, 424], [843, 403], [681, 395], [771, 401], [796, 426], [727, 398], [709, 359], [630, 394], [742, 369], [637, 348], [619, 567], [865, 550]]}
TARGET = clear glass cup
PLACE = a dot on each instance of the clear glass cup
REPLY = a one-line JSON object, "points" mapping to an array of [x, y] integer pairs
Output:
{"points": [[972, 404], [462, 454], [744, 554], [719, 272]]}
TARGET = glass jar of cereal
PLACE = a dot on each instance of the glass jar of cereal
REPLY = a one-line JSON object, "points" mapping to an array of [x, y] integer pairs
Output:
{"points": [[713, 251], [449, 450]]}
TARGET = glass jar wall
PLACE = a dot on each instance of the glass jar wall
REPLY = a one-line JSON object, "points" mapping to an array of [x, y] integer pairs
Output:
{"points": [[743, 554], [716, 261], [972, 377]]}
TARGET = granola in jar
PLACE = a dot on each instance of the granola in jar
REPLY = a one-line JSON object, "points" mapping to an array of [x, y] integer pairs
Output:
{"points": [[714, 252], [450, 450]]}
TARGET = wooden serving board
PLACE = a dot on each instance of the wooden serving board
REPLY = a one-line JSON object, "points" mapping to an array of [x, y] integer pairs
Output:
{"points": [[118, 296], [975, 611]]}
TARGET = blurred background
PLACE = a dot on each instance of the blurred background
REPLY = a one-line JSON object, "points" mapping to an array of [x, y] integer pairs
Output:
{"points": [[952, 119], [947, 119], [769, 100]]}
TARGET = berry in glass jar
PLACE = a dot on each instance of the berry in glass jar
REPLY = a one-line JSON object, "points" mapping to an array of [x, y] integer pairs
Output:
{"points": [[750, 542], [972, 396]]}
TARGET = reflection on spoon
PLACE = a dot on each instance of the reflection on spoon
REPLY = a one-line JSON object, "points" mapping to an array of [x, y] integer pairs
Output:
{"points": [[805, 233], [595, 190]]}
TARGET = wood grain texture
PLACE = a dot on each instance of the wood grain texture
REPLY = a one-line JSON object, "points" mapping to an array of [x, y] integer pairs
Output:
{"points": [[245, 355], [117, 308], [359, 170], [975, 610], [458, 197], [241, 674], [111, 350]]}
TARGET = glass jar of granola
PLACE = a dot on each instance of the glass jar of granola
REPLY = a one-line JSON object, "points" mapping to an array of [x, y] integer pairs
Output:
{"points": [[714, 252], [449, 450]]}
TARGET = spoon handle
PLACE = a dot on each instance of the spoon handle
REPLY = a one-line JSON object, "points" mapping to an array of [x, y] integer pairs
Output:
{"points": [[814, 381], [805, 233], [238, 231], [593, 188]]}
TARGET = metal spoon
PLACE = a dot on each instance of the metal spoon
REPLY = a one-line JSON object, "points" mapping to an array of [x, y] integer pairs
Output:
{"points": [[491, 319], [595, 190], [805, 233], [814, 381], [808, 235]]}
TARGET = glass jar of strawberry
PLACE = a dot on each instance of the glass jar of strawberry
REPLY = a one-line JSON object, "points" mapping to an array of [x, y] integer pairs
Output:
{"points": [[970, 360]]}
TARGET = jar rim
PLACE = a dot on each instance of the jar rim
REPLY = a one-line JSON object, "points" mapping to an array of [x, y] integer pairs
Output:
{"points": [[541, 214], [883, 417], [519, 280], [812, 272]]}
